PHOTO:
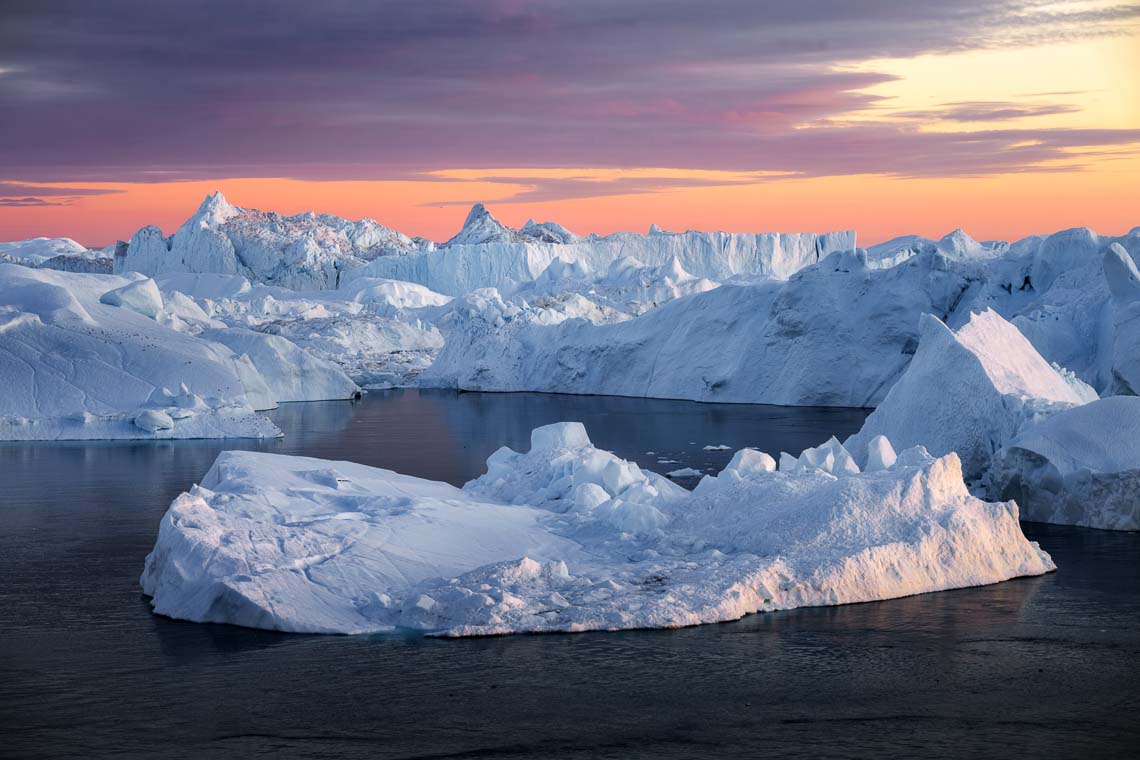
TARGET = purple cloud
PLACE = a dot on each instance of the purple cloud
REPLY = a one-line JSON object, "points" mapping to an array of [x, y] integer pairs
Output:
{"points": [[17, 194], [137, 90], [987, 110]]}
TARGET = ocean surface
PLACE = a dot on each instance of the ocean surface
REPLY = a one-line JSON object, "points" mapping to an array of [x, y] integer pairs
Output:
{"points": [[1046, 666]]}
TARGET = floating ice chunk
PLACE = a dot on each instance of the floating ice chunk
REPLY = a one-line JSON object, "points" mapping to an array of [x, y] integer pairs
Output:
{"points": [[748, 462], [717, 447], [880, 454], [684, 472]]}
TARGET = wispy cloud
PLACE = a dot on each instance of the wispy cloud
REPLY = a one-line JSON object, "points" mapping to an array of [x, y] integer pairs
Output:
{"points": [[20, 194], [986, 110]]}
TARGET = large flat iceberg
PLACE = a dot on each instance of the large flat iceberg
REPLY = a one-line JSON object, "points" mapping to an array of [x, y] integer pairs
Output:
{"points": [[567, 538]]}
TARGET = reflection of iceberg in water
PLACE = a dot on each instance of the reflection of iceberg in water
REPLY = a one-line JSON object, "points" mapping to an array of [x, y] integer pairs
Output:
{"points": [[313, 417]]}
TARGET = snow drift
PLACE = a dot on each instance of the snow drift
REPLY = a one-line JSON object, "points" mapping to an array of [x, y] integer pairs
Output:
{"points": [[566, 538]]}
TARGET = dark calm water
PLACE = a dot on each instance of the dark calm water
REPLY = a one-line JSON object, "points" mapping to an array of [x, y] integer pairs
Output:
{"points": [[1035, 667]]}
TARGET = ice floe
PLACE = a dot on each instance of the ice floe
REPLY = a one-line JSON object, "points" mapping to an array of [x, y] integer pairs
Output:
{"points": [[567, 538]]}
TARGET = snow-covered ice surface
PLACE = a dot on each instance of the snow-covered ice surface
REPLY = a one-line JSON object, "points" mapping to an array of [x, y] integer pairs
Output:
{"points": [[487, 254], [291, 373], [1123, 282], [836, 334], [317, 252], [566, 538], [75, 363], [839, 332], [784, 319], [36, 250], [378, 332], [57, 253], [101, 356], [1080, 466]]}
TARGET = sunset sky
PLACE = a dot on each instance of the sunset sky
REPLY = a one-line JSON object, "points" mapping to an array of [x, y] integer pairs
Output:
{"points": [[884, 117]]}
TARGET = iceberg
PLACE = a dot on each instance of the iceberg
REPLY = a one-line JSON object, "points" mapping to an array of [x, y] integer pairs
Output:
{"points": [[306, 251], [63, 254], [322, 252], [835, 334], [1081, 466], [459, 267], [566, 538], [292, 373], [76, 367], [1123, 282], [968, 391], [378, 332], [824, 323], [1068, 310], [87, 356]]}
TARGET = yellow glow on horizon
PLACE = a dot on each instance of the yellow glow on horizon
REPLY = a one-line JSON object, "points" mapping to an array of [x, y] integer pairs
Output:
{"points": [[1099, 77]]}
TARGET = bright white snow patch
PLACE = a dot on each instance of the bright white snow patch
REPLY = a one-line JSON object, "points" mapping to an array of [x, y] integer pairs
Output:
{"points": [[566, 538]]}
